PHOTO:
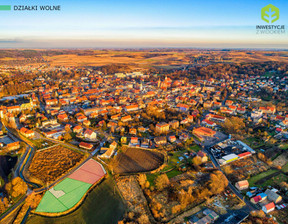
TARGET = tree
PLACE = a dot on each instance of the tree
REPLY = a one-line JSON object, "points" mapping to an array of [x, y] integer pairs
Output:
{"points": [[234, 125], [16, 187], [175, 209], [197, 161], [33, 200], [227, 169], [161, 182], [143, 219], [67, 137], [142, 179], [218, 182]]}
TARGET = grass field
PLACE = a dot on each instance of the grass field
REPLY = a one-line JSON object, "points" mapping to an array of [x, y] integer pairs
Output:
{"points": [[74, 191], [173, 173], [285, 168], [284, 146], [260, 176], [102, 205]]}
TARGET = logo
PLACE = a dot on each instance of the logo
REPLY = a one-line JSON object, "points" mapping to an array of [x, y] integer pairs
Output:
{"points": [[270, 13]]}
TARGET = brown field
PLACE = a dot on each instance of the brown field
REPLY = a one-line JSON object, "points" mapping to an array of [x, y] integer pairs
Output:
{"points": [[51, 163], [167, 59], [133, 160], [140, 60]]}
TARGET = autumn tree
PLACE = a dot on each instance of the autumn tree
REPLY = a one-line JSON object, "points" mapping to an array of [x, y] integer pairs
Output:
{"points": [[197, 161], [218, 182], [234, 125], [161, 182], [67, 137], [16, 187], [33, 200]]}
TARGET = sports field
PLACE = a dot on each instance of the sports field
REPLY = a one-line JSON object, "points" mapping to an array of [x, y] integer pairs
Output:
{"points": [[69, 191]]}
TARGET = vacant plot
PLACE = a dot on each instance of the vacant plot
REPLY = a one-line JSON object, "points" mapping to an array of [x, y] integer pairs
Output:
{"points": [[285, 168], [255, 179], [281, 160], [244, 168], [70, 191], [134, 160], [102, 205], [274, 179], [49, 164]]}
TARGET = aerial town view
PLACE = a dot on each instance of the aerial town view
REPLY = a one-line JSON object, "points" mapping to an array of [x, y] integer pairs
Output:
{"points": [[147, 116]]}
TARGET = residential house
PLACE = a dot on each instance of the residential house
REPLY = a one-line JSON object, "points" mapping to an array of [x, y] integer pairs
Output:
{"points": [[86, 123], [85, 145], [13, 146], [208, 123], [27, 133], [174, 124], [172, 138], [131, 108], [62, 117], [90, 134], [269, 207], [203, 156], [126, 118], [78, 129], [162, 127], [106, 153], [134, 141], [132, 131], [160, 140], [183, 107], [242, 185]]}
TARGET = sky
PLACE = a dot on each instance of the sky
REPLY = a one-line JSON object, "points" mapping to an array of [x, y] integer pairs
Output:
{"points": [[141, 24]]}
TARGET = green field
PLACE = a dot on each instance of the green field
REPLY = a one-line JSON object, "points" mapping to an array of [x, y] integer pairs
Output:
{"points": [[173, 173], [260, 176], [285, 168], [284, 146], [74, 191], [102, 205]]}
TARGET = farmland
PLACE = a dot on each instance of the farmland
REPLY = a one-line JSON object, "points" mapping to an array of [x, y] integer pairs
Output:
{"points": [[51, 163], [133, 160]]}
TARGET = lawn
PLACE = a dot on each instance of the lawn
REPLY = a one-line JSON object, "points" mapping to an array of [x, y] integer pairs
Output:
{"points": [[284, 146], [275, 180], [260, 176], [102, 205], [254, 142], [173, 173], [285, 168], [151, 178], [195, 148]]}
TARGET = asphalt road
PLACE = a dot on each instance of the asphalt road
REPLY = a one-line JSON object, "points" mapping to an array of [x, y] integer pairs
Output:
{"points": [[18, 172], [249, 206]]}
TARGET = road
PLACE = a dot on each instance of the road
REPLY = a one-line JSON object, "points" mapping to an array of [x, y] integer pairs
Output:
{"points": [[18, 171], [249, 206]]}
